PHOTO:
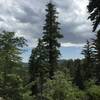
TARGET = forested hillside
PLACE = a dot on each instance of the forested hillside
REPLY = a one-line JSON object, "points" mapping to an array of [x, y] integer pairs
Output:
{"points": [[46, 76]]}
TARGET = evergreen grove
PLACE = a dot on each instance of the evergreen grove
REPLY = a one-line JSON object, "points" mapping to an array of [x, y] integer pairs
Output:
{"points": [[46, 76]]}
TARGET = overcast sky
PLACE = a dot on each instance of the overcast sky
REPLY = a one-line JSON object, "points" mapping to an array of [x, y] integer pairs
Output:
{"points": [[26, 18]]}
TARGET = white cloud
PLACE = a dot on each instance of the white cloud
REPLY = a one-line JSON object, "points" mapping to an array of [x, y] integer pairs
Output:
{"points": [[26, 18], [71, 45]]}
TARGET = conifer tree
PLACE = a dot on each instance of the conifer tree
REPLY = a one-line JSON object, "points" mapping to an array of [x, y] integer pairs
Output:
{"points": [[38, 69], [10, 50], [51, 35], [94, 10], [88, 61], [96, 44]]}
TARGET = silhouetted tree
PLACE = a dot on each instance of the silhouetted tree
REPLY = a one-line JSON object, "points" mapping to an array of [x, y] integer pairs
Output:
{"points": [[51, 36], [94, 10], [96, 44], [88, 61]]}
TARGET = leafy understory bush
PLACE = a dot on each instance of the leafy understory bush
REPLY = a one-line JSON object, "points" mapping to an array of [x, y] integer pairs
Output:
{"points": [[93, 91], [61, 88]]}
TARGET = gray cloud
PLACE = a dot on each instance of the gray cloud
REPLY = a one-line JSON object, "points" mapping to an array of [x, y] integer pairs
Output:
{"points": [[1, 19], [26, 17]]}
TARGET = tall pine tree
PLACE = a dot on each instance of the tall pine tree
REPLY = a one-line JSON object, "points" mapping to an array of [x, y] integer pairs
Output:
{"points": [[51, 35]]}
